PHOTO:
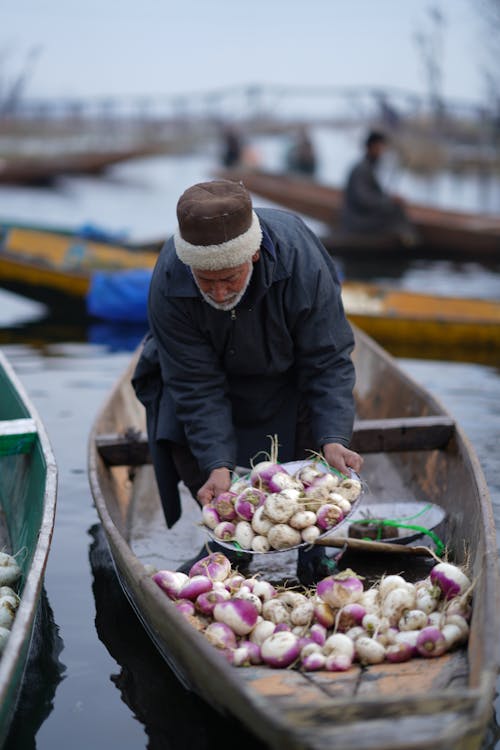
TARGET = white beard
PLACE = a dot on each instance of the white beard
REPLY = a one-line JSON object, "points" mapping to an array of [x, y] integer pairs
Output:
{"points": [[225, 306]]}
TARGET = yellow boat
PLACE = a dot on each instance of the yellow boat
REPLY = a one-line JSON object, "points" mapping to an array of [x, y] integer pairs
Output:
{"points": [[406, 322], [47, 264], [55, 266]]}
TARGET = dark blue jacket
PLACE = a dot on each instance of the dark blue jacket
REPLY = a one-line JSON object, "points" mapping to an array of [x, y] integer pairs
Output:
{"points": [[231, 379]]}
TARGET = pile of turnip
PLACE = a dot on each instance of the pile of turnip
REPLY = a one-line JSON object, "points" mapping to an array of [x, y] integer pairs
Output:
{"points": [[272, 509], [10, 572], [326, 628]]}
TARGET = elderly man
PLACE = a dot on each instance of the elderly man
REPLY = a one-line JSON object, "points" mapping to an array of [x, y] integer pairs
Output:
{"points": [[250, 337]]}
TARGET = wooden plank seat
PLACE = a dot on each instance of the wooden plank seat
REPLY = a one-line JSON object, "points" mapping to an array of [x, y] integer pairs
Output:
{"points": [[370, 436], [17, 436]]}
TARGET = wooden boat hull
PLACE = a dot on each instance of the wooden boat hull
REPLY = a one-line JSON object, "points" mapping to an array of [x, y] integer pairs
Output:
{"points": [[28, 485], [51, 265], [56, 267], [422, 321], [443, 702], [41, 170], [443, 234]]}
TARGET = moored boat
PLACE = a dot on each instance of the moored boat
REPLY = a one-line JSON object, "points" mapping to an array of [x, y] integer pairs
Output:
{"points": [[28, 485], [109, 280], [441, 233], [413, 450]]}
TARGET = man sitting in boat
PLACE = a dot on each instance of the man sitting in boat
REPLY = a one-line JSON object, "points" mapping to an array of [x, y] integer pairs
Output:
{"points": [[248, 339], [367, 208]]}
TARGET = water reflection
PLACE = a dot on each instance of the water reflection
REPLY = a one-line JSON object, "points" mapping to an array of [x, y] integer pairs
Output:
{"points": [[55, 328], [43, 674], [172, 716]]}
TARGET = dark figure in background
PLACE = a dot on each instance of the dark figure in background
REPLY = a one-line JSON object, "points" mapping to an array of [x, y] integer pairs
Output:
{"points": [[248, 339], [367, 207], [232, 147], [301, 158]]}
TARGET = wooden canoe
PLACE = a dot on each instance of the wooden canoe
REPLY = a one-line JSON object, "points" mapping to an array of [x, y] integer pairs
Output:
{"points": [[45, 169], [442, 234], [413, 450], [28, 484], [56, 267]]}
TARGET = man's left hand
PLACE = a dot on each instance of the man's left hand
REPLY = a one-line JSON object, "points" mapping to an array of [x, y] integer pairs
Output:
{"points": [[341, 458], [218, 481]]}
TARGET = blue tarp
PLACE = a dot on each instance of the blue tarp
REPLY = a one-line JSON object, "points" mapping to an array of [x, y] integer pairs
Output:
{"points": [[119, 295]]}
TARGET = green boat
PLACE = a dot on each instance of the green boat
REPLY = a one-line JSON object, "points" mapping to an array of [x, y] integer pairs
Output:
{"points": [[28, 486]]}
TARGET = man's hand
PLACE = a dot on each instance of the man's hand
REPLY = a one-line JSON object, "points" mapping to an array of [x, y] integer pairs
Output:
{"points": [[218, 481], [342, 458]]}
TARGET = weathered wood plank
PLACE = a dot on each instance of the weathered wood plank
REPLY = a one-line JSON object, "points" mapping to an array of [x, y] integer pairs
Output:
{"points": [[128, 449], [17, 436], [410, 434], [370, 436]]}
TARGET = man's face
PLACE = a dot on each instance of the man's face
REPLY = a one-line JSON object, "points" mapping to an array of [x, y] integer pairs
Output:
{"points": [[224, 288]]}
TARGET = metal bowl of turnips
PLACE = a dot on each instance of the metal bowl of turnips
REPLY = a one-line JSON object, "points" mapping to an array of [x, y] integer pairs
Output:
{"points": [[282, 506]]}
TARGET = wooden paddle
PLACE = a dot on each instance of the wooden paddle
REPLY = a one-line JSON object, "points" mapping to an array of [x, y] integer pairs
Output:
{"points": [[363, 545]]}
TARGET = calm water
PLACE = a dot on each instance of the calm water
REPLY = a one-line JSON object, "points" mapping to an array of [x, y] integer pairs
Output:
{"points": [[110, 688]]}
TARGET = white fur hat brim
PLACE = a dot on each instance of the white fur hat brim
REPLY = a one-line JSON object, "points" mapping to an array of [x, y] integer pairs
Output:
{"points": [[226, 255]]}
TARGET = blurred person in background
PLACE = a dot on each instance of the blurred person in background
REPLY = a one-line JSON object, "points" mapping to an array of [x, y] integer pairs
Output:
{"points": [[367, 207], [232, 147], [301, 157]]}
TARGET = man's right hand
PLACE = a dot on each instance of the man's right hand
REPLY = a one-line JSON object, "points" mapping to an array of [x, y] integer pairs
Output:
{"points": [[218, 481]]}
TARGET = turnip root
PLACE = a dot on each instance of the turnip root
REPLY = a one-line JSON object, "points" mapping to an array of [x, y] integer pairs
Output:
{"points": [[10, 571], [261, 524], [349, 488], [260, 543], [328, 516], [413, 619], [307, 474], [302, 614], [264, 590], [451, 580], [261, 631], [282, 536], [239, 614], [210, 516], [339, 590], [279, 507], [302, 519], [342, 502], [396, 603], [431, 642], [244, 534], [275, 611], [310, 534], [224, 505], [225, 531], [313, 662], [280, 649], [220, 635], [339, 652], [170, 581], [215, 566], [369, 651]]}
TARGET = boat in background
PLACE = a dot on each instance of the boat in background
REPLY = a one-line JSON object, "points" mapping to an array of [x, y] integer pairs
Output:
{"points": [[45, 169], [79, 277], [442, 234], [413, 450], [28, 487]]}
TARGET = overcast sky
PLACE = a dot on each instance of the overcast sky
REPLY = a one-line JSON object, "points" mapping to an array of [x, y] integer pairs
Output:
{"points": [[100, 47]]}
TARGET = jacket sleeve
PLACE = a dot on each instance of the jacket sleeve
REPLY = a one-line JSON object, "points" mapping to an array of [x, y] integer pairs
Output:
{"points": [[323, 344], [196, 381]]}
